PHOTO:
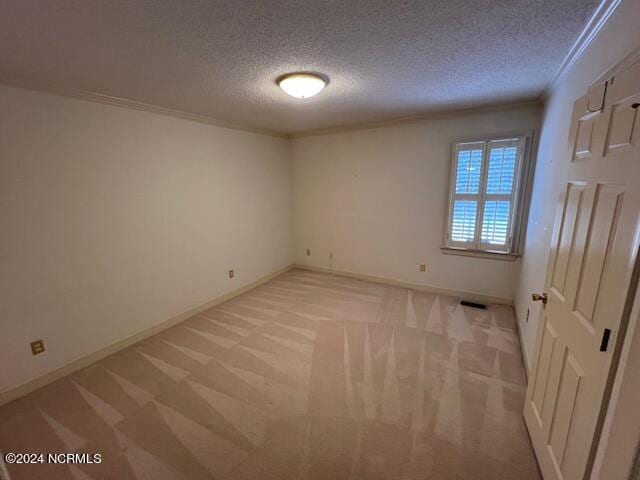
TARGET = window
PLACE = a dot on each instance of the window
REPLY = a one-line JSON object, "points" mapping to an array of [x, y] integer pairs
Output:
{"points": [[483, 206]]}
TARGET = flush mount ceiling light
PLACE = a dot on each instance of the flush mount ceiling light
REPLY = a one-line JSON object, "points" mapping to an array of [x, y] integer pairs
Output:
{"points": [[302, 85]]}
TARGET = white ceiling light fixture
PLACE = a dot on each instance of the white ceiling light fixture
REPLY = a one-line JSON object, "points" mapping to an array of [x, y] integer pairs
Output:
{"points": [[302, 85]]}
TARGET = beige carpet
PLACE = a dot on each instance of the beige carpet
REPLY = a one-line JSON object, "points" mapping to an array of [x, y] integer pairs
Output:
{"points": [[309, 376]]}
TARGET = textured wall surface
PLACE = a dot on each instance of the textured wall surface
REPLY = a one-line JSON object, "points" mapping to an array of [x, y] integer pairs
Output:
{"points": [[221, 58], [114, 220]]}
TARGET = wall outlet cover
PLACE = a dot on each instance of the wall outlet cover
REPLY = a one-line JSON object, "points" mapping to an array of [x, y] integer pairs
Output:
{"points": [[423, 267], [231, 274], [37, 347]]}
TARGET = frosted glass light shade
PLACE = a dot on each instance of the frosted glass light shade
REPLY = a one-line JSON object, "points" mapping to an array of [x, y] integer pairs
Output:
{"points": [[302, 85]]}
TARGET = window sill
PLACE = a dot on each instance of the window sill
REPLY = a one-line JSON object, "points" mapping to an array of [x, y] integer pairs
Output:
{"points": [[505, 257]]}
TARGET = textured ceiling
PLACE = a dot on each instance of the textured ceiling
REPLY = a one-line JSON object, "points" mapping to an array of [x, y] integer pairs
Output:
{"points": [[385, 58]]}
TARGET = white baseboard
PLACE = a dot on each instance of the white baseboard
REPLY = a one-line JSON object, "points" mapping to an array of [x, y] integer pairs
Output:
{"points": [[50, 377], [525, 360], [472, 296]]}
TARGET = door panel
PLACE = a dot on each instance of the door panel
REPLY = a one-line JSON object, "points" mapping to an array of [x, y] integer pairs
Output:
{"points": [[586, 115], [552, 387], [541, 380], [571, 376], [584, 138], [566, 240], [624, 124], [606, 209], [624, 118], [588, 276]]}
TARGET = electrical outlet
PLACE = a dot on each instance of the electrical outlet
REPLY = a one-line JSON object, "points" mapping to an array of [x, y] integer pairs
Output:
{"points": [[423, 267], [231, 273], [308, 252], [37, 347]]}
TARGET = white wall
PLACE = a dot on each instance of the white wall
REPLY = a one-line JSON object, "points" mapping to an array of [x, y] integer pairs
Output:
{"points": [[113, 220], [618, 38], [377, 199]]}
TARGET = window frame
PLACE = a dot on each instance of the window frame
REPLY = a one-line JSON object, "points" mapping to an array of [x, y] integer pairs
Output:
{"points": [[517, 211]]}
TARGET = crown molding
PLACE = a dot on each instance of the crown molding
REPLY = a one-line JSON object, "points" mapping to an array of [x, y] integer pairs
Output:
{"points": [[194, 117], [132, 105], [499, 107], [598, 19]]}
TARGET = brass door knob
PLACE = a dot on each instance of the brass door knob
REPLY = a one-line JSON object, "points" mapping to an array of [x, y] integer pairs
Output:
{"points": [[540, 297]]}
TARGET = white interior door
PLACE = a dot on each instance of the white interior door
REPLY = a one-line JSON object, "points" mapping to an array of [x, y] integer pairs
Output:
{"points": [[593, 253]]}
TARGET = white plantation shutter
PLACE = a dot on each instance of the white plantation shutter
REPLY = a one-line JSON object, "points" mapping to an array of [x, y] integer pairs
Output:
{"points": [[484, 186], [463, 216], [464, 221]]}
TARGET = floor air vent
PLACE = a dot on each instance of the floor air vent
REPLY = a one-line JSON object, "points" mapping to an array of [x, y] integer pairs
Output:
{"points": [[481, 306]]}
